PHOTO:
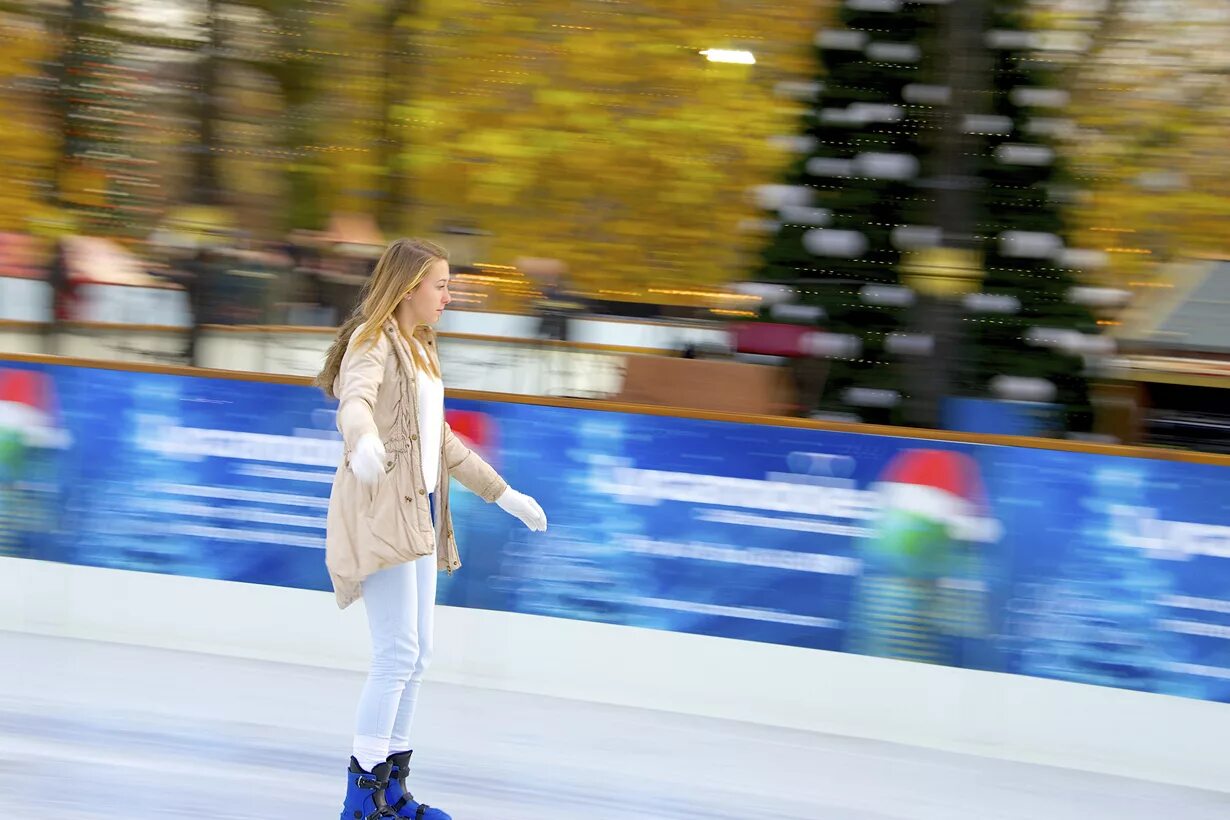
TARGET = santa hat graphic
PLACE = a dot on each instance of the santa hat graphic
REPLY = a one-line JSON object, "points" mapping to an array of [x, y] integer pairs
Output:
{"points": [[28, 404], [475, 429], [941, 485]]}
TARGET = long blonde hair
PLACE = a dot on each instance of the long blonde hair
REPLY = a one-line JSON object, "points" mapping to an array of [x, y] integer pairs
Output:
{"points": [[401, 268]]}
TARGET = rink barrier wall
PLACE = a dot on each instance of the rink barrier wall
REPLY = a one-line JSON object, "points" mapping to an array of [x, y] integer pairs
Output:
{"points": [[488, 363], [1063, 445], [135, 333], [1013, 716]]}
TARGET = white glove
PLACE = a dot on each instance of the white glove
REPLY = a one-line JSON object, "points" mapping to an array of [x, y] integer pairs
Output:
{"points": [[522, 506], [367, 459]]}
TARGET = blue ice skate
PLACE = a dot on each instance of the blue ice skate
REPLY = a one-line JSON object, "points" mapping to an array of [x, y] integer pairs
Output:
{"points": [[399, 797], [365, 793]]}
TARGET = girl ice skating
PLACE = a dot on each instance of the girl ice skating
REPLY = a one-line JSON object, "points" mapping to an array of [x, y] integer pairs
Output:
{"points": [[389, 528]]}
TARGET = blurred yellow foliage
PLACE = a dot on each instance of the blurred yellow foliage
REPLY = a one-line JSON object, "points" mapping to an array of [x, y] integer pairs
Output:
{"points": [[597, 133], [1150, 98], [27, 145], [597, 137]]}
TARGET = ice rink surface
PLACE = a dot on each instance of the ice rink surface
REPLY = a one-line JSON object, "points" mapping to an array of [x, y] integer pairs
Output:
{"points": [[94, 731]]}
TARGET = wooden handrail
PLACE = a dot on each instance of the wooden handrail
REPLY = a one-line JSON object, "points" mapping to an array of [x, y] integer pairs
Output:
{"points": [[592, 347]]}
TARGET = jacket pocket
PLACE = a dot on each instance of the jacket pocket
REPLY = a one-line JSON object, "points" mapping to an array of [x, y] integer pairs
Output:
{"points": [[382, 513], [368, 491]]}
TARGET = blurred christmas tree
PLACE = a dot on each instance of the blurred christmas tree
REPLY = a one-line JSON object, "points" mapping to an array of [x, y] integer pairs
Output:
{"points": [[102, 106], [921, 226]]}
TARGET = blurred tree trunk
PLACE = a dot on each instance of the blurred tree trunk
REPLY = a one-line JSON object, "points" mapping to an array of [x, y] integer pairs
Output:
{"points": [[206, 187], [296, 73], [66, 106], [397, 73]]}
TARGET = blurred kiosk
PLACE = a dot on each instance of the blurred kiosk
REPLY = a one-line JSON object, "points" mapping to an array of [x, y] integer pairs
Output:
{"points": [[700, 384], [723, 384]]}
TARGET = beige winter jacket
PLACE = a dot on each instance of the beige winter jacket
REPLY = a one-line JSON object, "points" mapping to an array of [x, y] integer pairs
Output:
{"points": [[371, 528]]}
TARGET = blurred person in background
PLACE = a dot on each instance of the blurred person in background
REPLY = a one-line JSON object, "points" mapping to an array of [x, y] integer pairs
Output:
{"points": [[62, 287], [389, 529], [343, 276], [307, 300], [200, 275]]}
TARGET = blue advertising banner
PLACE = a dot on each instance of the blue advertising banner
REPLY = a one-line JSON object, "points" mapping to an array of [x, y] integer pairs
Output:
{"points": [[1074, 566]]}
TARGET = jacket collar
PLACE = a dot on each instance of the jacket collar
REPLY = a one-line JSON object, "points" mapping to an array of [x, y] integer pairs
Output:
{"points": [[401, 347]]}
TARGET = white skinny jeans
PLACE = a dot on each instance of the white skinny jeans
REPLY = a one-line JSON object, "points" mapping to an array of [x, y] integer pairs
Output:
{"points": [[400, 603]]}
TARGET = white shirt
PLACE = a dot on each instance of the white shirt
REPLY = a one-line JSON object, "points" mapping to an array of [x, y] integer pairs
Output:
{"points": [[431, 423]]}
